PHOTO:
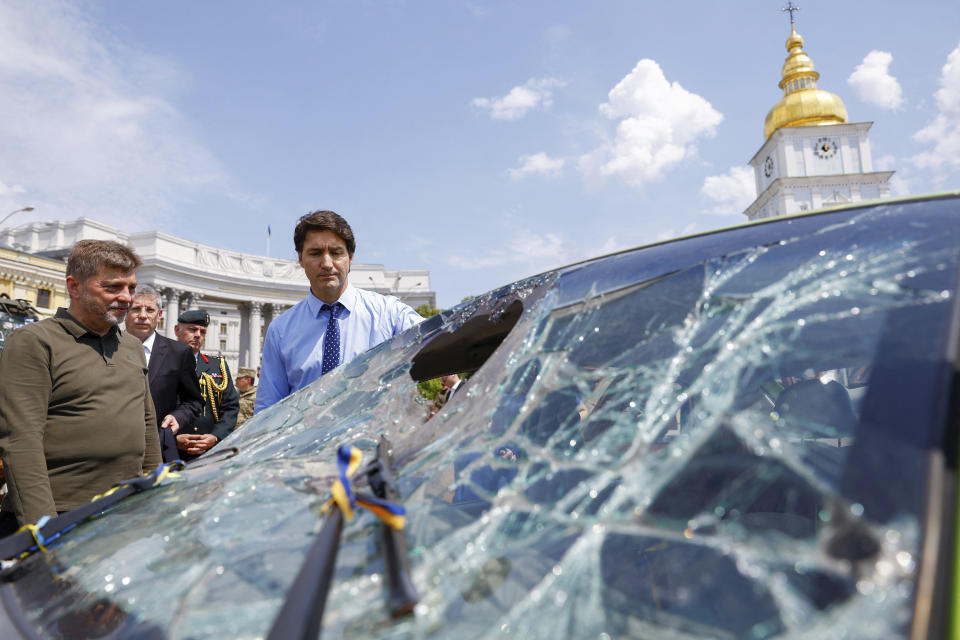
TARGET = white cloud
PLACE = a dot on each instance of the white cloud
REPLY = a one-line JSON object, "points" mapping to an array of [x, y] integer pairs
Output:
{"points": [[10, 190], [530, 251], [886, 162], [899, 185], [612, 244], [659, 125], [88, 122], [873, 84], [537, 164], [539, 251], [476, 10], [732, 192], [670, 234], [521, 99], [943, 132]]}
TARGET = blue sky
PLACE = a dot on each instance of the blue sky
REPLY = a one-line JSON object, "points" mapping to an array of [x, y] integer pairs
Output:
{"points": [[485, 141]]}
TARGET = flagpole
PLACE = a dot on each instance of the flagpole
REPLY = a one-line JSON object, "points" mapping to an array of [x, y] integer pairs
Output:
{"points": [[268, 241]]}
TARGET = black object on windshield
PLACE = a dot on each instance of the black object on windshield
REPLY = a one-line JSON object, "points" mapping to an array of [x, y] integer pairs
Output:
{"points": [[302, 611]]}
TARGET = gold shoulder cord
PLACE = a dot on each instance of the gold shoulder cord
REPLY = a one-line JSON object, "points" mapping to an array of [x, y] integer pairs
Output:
{"points": [[209, 389]]}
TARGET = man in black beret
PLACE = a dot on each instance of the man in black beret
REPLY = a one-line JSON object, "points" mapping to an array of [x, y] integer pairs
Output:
{"points": [[220, 400]]}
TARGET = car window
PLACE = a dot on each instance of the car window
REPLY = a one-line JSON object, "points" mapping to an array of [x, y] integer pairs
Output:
{"points": [[13, 315], [727, 445]]}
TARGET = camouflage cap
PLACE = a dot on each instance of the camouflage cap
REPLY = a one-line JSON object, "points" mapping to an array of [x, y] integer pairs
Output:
{"points": [[246, 372], [194, 316]]}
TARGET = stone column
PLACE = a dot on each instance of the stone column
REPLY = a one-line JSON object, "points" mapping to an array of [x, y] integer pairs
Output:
{"points": [[270, 311], [191, 301], [171, 312], [255, 321]]}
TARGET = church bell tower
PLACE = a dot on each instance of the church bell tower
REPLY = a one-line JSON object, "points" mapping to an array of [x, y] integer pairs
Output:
{"points": [[812, 156]]}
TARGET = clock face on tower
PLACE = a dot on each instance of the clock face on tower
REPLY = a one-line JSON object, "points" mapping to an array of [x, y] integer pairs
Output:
{"points": [[825, 147], [768, 167]]}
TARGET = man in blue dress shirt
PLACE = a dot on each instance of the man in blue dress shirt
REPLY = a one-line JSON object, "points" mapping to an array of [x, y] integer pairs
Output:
{"points": [[336, 321]]}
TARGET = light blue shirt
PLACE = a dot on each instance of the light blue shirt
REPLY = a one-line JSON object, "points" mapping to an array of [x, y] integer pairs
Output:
{"points": [[293, 347]]}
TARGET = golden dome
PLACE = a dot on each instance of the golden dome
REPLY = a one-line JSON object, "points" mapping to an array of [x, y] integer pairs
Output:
{"points": [[803, 103]]}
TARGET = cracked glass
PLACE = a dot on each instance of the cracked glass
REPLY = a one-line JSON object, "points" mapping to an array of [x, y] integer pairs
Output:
{"points": [[724, 437], [13, 317]]}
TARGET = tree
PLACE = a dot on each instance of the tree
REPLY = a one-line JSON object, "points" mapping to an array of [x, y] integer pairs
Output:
{"points": [[426, 310], [430, 389]]}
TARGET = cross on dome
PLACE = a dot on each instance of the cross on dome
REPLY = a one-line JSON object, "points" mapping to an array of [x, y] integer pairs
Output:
{"points": [[791, 8]]}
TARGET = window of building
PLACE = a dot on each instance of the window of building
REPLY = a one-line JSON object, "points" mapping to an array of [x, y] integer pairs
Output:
{"points": [[223, 328], [223, 345], [43, 298]]}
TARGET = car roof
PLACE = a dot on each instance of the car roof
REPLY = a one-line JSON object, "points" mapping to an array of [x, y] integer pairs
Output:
{"points": [[851, 206]]}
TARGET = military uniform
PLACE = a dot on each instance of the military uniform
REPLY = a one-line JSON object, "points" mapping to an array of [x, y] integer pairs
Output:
{"points": [[220, 400], [248, 397], [221, 403]]}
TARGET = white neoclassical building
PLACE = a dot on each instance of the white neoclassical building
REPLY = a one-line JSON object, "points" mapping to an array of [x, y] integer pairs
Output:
{"points": [[241, 292]]}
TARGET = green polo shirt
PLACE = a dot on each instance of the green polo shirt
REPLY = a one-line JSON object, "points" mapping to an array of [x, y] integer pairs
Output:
{"points": [[76, 415]]}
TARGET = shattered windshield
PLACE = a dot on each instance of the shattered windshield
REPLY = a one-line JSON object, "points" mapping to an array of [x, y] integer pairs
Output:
{"points": [[731, 446], [11, 317]]}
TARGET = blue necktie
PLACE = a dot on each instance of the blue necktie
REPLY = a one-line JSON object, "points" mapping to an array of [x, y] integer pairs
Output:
{"points": [[331, 339]]}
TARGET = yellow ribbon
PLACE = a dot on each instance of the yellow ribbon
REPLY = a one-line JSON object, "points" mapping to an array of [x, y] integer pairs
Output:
{"points": [[35, 532], [348, 461]]}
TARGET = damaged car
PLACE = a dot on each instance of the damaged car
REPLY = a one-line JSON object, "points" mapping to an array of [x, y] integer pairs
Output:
{"points": [[749, 433]]}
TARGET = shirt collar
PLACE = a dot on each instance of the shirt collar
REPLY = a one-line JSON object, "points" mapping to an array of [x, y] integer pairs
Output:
{"points": [[348, 299], [75, 328], [148, 343]]}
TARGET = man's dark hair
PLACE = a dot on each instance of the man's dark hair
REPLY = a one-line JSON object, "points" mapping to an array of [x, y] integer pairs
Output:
{"points": [[324, 221], [89, 257]]}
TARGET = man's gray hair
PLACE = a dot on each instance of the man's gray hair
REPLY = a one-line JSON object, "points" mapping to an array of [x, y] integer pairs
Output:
{"points": [[150, 292]]}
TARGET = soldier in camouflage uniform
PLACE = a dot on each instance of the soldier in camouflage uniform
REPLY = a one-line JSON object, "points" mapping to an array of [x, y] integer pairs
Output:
{"points": [[248, 393]]}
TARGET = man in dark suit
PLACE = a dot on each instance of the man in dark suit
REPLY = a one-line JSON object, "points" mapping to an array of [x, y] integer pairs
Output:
{"points": [[451, 384], [221, 402], [170, 371]]}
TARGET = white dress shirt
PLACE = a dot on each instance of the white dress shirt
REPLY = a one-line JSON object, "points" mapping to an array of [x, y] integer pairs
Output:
{"points": [[148, 346]]}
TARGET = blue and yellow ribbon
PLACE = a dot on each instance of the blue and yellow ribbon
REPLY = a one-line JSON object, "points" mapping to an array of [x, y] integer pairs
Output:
{"points": [[348, 460], [159, 474], [342, 495], [168, 470], [38, 538]]}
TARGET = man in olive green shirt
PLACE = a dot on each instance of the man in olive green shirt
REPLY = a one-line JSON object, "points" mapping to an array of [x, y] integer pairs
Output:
{"points": [[76, 415]]}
